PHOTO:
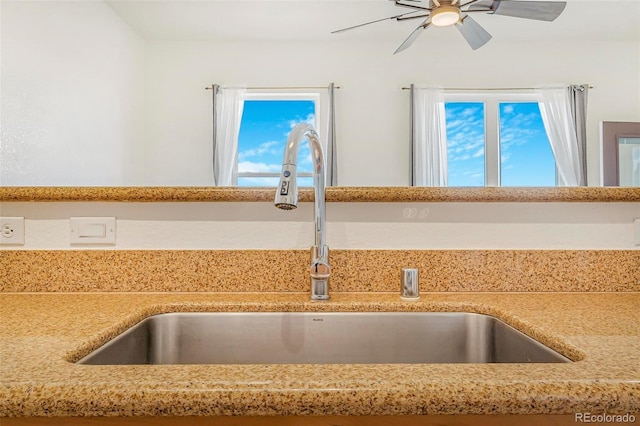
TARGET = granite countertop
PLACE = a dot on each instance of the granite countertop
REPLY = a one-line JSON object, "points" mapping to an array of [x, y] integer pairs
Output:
{"points": [[333, 194], [40, 333]]}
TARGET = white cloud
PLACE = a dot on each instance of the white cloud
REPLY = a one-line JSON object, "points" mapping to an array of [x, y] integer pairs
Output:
{"points": [[517, 136], [466, 144], [262, 149], [523, 124], [467, 125], [251, 167], [460, 158], [311, 120], [465, 130], [470, 112]]}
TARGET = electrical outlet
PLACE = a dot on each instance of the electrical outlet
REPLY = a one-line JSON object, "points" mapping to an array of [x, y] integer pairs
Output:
{"points": [[12, 230]]}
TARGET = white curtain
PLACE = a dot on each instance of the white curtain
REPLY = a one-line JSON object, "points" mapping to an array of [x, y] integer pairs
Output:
{"points": [[429, 137], [228, 104], [555, 109]]}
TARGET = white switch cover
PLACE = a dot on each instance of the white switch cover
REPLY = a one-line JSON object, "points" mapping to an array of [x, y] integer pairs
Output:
{"points": [[92, 230], [636, 231]]}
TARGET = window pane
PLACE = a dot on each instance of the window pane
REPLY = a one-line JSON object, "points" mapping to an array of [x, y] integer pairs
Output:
{"points": [[271, 181], [525, 154], [465, 143], [629, 161], [258, 181], [264, 129]]}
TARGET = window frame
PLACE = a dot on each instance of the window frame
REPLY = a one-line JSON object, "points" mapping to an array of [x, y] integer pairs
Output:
{"points": [[492, 101], [318, 97]]}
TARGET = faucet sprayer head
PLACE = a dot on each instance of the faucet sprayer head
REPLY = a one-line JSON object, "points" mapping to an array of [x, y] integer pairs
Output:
{"points": [[284, 206], [287, 191]]}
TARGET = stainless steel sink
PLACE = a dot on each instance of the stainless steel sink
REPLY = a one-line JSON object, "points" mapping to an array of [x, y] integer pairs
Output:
{"points": [[321, 338]]}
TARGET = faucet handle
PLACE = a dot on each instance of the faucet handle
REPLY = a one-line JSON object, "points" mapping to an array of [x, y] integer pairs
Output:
{"points": [[319, 269], [410, 287]]}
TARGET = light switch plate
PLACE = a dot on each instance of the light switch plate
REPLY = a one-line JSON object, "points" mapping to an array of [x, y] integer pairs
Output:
{"points": [[636, 231], [92, 230]]}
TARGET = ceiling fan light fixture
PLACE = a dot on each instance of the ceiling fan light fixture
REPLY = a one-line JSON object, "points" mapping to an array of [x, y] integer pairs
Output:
{"points": [[445, 15]]}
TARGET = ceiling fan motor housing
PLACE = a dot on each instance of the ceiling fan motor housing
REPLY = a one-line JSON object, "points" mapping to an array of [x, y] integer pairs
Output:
{"points": [[444, 12]]}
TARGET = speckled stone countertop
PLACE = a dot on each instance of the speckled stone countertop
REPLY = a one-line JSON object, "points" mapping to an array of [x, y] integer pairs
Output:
{"points": [[40, 333], [287, 270], [333, 194]]}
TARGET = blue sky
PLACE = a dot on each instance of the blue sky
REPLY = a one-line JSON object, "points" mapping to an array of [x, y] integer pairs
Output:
{"points": [[263, 134], [526, 155]]}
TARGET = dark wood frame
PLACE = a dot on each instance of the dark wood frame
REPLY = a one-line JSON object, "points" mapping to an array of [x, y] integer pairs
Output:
{"points": [[610, 132]]}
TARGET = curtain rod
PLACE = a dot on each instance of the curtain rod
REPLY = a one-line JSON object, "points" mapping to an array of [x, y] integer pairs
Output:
{"points": [[277, 87], [486, 88]]}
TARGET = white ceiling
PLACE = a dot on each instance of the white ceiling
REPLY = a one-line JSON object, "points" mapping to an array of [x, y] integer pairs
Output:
{"points": [[307, 20]]}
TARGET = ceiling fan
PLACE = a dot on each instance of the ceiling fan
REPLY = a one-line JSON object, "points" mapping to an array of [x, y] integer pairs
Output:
{"points": [[443, 13]]}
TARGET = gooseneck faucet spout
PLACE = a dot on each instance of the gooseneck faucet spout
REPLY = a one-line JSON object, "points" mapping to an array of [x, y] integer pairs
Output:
{"points": [[287, 199]]}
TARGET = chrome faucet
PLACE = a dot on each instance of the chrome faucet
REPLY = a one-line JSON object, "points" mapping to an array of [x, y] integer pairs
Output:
{"points": [[287, 199]]}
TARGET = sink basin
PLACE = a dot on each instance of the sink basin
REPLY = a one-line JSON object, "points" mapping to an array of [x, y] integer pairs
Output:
{"points": [[321, 338]]}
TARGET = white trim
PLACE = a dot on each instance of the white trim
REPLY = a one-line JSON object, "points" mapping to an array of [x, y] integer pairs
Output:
{"points": [[492, 153]]}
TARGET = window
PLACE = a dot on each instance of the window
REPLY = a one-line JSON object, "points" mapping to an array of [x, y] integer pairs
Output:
{"points": [[465, 143], [497, 140], [526, 158], [267, 119]]}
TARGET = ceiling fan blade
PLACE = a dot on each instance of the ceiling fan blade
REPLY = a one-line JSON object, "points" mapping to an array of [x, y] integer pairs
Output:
{"points": [[538, 10], [408, 18], [413, 36], [475, 35], [373, 22], [479, 5]]}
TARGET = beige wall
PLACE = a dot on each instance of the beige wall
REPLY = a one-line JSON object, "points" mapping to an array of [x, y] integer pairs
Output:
{"points": [[72, 97], [132, 111], [372, 110]]}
